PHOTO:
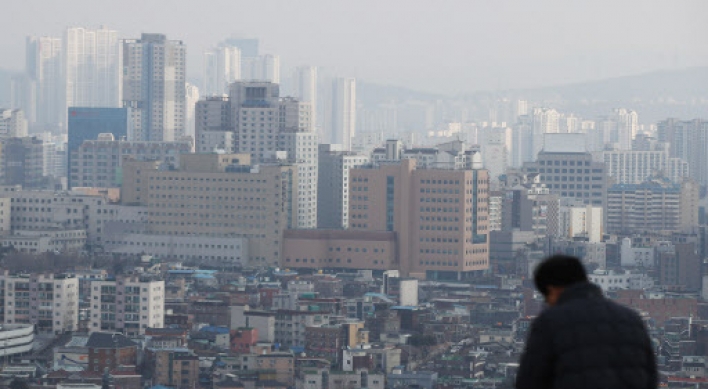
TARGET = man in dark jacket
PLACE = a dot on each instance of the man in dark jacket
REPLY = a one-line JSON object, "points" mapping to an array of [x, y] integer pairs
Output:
{"points": [[583, 340]]}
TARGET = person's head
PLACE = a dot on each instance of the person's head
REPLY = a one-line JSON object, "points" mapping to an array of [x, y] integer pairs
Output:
{"points": [[555, 274]]}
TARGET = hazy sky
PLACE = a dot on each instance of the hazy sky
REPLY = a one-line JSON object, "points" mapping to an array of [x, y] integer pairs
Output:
{"points": [[441, 46]]}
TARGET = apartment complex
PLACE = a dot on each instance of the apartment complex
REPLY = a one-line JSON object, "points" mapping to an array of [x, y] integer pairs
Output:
{"points": [[435, 221], [48, 301], [128, 305], [634, 167], [218, 195], [654, 205], [688, 140], [92, 67]]}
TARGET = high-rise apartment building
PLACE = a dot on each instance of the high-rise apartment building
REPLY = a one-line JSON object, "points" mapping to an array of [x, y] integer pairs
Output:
{"points": [[49, 301], [654, 205], [93, 67], [333, 185], [543, 121], [261, 68], [495, 144], [689, 141], [522, 150], [255, 115], [305, 80], [191, 99], [634, 167], [222, 66], [44, 66], [12, 123], [128, 305], [154, 76], [435, 220], [218, 195], [617, 129], [343, 125], [247, 46], [212, 125]]}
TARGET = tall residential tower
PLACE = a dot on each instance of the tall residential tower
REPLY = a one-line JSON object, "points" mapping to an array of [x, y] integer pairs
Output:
{"points": [[154, 71]]}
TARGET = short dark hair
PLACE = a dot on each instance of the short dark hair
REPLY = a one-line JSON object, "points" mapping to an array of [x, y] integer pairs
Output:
{"points": [[558, 270]]}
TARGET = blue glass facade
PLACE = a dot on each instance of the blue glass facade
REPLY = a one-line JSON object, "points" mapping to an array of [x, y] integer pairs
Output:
{"points": [[87, 123]]}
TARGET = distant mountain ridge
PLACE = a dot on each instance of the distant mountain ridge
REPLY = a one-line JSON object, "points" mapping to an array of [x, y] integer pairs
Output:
{"points": [[681, 93]]}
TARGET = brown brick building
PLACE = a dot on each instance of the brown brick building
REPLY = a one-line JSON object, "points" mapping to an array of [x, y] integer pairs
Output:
{"points": [[110, 350]]}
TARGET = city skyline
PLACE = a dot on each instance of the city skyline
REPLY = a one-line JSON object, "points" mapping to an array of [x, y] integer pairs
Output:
{"points": [[457, 57]]}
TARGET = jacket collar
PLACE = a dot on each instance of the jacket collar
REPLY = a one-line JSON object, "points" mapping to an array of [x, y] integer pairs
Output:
{"points": [[580, 291]]}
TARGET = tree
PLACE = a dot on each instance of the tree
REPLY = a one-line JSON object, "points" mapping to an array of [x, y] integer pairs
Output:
{"points": [[19, 384]]}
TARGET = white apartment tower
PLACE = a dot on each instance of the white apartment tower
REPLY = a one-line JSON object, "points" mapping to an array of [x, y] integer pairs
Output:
{"points": [[49, 301], [12, 123], [191, 99], [92, 67], [298, 139], [343, 111], [495, 143], [261, 68], [44, 69], [222, 66], [154, 71], [545, 121], [306, 87], [128, 305]]}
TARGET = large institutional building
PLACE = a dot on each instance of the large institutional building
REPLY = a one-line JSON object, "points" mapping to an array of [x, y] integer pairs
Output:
{"points": [[254, 119], [428, 222], [217, 195]]}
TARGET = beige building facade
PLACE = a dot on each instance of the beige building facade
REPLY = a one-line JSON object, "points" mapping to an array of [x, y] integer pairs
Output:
{"points": [[438, 218], [219, 195]]}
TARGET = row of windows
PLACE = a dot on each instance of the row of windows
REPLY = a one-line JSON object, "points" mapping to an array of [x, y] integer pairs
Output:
{"points": [[48, 201], [440, 240], [330, 260], [438, 228], [439, 219], [438, 210], [564, 163], [171, 178], [439, 251], [438, 200], [440, 190], [356, 249], [180, 245]]}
